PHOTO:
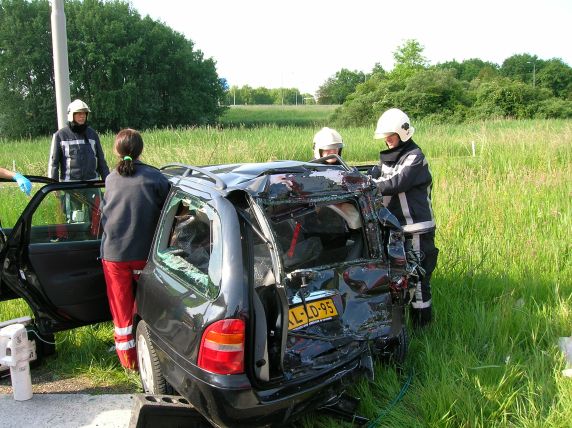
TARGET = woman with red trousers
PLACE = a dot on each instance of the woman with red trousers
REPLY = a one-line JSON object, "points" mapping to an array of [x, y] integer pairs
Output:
{"points": [[134, 196]]}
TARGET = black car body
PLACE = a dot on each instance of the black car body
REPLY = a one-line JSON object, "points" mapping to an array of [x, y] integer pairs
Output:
{"points": [[268, 289]]}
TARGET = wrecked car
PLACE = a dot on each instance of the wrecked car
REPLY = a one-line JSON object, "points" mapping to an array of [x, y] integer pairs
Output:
{"points": [[268, 289]]}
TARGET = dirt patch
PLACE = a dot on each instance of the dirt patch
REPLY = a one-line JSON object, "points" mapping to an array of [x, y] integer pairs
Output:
{"points": [[44, 382]]}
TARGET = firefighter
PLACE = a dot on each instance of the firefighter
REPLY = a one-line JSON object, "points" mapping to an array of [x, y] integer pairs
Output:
{"points": [[404, 180], [134, 196], [23, 183], [76, 152], [328, 141], [75, 155]]}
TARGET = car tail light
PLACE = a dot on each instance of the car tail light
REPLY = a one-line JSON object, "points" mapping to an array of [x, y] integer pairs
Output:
{"points": [[222, 347]]}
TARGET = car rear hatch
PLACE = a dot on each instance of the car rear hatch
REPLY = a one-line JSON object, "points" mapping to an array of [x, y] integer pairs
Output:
{"points": [[319, 273]]}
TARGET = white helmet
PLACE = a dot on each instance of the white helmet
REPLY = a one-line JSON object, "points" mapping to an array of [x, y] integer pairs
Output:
{"points": [[327, 138], [75, 107], [394, 121]]}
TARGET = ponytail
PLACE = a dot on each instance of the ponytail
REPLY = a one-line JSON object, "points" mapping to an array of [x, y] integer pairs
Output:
{"points": [[128, 146], [125, 166]]}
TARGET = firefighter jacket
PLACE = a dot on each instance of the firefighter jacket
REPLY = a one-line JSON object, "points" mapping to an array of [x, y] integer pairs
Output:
{"points": [[76, 156], [405, 182]]}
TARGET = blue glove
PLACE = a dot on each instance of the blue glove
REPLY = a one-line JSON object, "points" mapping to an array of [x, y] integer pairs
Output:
{"points": [[23, 183]]}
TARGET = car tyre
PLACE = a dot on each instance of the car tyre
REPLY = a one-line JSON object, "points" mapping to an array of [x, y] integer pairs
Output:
{"points": [[152, 378], [399, 351]]}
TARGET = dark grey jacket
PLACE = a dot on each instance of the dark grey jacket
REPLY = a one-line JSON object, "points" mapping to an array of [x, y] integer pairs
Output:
{"points": [[75, 156], [405, 182], [131, 208]]}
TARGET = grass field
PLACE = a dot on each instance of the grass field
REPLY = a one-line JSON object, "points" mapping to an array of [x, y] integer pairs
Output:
{"points": [[502, 290], [280, 115]]}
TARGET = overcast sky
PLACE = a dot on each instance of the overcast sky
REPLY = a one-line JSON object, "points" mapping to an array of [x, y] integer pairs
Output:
{"points": [[301, 43]]}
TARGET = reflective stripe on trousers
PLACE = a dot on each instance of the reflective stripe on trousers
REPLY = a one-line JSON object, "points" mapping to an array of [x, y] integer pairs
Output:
{"points": [[120, 280], [424, 245]]}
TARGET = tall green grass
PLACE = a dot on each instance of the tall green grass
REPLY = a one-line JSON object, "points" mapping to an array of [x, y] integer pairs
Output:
{"points": [[502, 290], [280, 115]]}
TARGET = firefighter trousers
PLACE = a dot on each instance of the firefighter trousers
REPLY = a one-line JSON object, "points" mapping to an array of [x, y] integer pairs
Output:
{"points": [[421, 304]]}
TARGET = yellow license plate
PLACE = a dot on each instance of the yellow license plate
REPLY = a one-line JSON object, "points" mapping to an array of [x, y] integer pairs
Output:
{"points": [[311, 313]]}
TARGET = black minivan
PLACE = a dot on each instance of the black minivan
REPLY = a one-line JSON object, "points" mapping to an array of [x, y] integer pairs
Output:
{"points": [[268, 289]]}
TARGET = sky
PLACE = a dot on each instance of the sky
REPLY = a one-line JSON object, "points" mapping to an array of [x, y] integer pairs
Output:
{"points": [[302, 43]]}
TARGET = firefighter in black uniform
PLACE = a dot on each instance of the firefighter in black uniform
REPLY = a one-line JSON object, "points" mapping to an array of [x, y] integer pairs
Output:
{"points": [[404, 179], [76, 152], [75, 155], [328, 141]]}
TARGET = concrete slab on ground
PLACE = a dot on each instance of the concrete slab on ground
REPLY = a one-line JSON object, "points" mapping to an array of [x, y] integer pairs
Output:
{"points": [[67, 411]]}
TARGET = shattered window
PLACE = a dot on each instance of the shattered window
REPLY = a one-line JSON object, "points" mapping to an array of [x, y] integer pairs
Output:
{"points": [[192, 250], [311, 235]]}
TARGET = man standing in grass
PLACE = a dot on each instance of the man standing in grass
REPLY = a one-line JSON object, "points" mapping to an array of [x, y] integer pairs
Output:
{"points": [[76, 155], [76, 152], [405, 181]]}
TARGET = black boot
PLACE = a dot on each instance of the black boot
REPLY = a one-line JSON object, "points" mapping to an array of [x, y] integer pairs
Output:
{"points": [[421, 317]]}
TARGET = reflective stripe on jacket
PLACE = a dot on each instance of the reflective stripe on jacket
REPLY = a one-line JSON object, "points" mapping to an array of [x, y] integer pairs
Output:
{"points": [[76, 156], [405, 182]]}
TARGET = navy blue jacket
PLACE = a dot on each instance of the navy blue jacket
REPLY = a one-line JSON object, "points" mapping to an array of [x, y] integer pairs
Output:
{"points": [[405, 181], [131, 209], [75, 156]]}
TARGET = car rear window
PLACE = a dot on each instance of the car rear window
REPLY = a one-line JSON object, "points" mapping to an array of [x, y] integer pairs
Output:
{"points": [[310, 235]]}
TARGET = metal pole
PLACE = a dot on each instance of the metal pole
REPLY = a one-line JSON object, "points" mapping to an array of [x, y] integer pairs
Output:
{"points": [[534, 74], [61, 66]]}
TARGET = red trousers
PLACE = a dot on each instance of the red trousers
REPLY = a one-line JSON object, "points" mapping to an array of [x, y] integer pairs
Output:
{"points": [[120, 279]]}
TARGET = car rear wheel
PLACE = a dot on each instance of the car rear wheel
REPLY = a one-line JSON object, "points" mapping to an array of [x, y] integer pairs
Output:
{"points": [[149, 368], [399, 351]]}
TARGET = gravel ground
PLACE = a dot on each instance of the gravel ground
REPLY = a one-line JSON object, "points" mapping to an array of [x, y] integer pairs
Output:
{"points": [[44, 382]]}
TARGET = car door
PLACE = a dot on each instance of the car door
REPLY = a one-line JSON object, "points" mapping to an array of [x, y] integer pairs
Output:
{"points": [[50, 257]]}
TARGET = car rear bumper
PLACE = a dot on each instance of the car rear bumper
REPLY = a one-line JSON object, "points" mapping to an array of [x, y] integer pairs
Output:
{"points": [[232, 401]]}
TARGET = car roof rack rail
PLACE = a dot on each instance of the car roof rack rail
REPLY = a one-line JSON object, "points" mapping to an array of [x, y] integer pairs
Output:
{"points": [[189, 169]]}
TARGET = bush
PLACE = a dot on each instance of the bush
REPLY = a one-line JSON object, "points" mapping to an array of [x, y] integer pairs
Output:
{"points": [[554, 108]]}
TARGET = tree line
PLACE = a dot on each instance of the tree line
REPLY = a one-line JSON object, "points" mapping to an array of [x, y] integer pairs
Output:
{"points": [[131, 71], [137, 72], [523, 87], [247, 95]]}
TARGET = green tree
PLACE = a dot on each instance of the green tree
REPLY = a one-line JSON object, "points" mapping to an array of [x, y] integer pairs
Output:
{"points": [[131, 71], [506, 98], [377, 69], [409, 60], [27, 99], [336, 89], [434, 93], [556, 76], [138, 72], [365, 105], [554, 108], [261, 96], [523, 67], [470, 69]]}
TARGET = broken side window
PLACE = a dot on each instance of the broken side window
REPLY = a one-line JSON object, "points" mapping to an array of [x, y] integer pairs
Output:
{"points": [[192, 247]]}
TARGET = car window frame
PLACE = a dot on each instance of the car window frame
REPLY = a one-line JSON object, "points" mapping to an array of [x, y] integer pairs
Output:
{"points": [[162, 237]]}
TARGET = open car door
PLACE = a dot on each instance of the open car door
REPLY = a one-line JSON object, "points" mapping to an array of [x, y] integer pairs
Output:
{"points": [[50, 257]]}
